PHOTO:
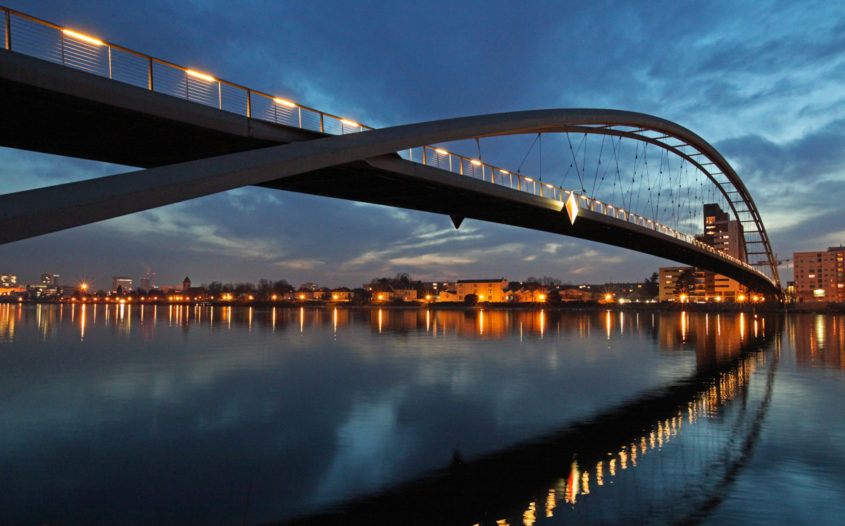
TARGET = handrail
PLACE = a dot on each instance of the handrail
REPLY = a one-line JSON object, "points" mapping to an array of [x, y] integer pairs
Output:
{"points": [[81, 51]]}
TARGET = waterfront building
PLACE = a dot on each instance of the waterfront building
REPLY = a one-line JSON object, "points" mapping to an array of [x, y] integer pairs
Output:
{"points": [[492, 290], [517, 293], [820, 276], [341, 295], [125, 284], [724, 235], [8, 281], [668, 286], [50, 280], [575, 294]]}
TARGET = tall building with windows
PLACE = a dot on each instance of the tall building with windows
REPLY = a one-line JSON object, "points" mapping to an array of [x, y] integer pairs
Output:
{"points": [[820, 276], [51, 280], [721, 233], [725, 235]]}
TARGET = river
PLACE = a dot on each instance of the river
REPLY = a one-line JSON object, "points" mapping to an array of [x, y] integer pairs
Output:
{"points": [[223, 415]]}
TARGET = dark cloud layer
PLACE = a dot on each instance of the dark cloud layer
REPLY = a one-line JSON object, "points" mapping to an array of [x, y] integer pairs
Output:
{"points": [[762, 81]]}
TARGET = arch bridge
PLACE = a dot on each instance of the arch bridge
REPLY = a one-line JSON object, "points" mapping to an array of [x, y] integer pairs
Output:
{"points": [[193, 134]]}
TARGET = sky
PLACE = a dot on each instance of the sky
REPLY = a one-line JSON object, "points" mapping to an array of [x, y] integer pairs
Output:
{"points": [[764, 82]]}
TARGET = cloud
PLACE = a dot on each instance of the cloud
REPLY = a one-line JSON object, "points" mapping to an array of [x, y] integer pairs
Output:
{"points": [[300, 264]]}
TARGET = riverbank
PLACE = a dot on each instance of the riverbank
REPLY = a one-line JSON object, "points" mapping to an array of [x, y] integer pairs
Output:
{"points": [[821, 308]]}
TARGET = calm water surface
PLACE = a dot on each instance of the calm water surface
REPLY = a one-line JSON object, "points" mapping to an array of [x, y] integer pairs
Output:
{"points": [[171, 415]]}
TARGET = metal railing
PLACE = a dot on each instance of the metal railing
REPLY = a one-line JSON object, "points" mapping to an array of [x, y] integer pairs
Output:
{"points": [[38, 38]]}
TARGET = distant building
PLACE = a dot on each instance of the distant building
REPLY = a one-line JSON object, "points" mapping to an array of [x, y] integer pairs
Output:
{"points": [[124, 284], [492, 290], [51, 280], [820, 276], [341, 295], [725, 235], [8, 281], [447, 295], [721, 233], [574, 294], [518, 293], [668, 277], [186, 283]]}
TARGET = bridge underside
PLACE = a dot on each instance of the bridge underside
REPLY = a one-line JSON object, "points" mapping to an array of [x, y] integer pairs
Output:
{"points": [[58, 110]]}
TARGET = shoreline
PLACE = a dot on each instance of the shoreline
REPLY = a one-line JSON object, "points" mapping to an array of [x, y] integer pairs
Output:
{"points": [[799, 308]]}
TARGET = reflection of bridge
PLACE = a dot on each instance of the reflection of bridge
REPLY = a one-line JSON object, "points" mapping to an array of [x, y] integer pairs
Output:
{"points": [[223, 136], [558, 474]]}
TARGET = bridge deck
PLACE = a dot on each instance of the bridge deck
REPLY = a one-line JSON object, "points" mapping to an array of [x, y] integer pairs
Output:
{"points": [[59, 110]]}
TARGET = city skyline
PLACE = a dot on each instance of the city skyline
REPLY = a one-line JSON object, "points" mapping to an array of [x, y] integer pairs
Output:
{"points": [[759, 88]]}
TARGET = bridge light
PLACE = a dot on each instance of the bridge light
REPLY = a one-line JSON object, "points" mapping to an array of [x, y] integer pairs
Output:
{"points": [[530, 180], [475, 162], [349, 123], [740, 298], [199, 75], [505, 172], [441, 151], [284, 102], [84, 38]]}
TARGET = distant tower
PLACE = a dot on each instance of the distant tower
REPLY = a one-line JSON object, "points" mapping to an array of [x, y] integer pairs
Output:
{"points": [[186, 284]]}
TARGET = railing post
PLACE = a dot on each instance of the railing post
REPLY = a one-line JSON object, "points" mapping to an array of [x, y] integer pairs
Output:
{"points": [[8, 32], [150, 73], [109, 50], [249, 104], [424, 158], [63, 47], [219, 95], [321, 122]]}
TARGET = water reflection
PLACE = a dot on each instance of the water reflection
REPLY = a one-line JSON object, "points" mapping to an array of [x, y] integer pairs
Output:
{"points": [[546, 416], [673, 330], [819, 340], [507, 487]]}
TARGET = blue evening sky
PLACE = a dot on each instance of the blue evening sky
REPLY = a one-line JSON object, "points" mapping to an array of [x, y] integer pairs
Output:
{"points": [[762, 81]]}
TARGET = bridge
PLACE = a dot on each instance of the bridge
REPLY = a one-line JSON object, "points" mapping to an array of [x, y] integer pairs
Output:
{"points": [[75, 95]]}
